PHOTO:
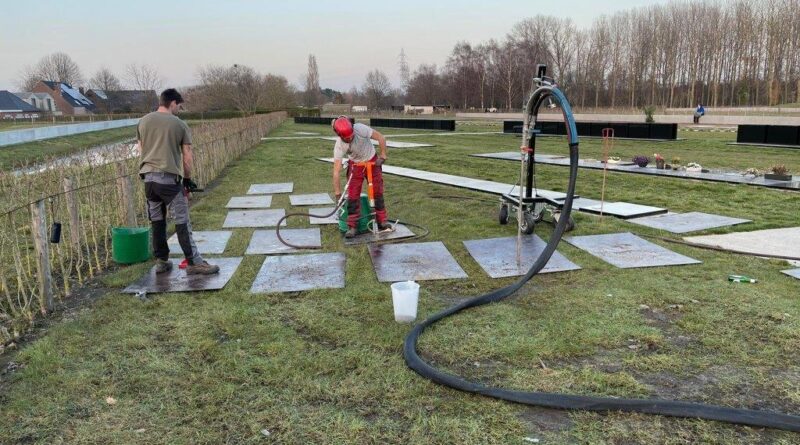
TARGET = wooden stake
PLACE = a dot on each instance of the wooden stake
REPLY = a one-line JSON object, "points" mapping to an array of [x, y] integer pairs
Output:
{"points": [[74, 216], [39, 230], [126, 195]]}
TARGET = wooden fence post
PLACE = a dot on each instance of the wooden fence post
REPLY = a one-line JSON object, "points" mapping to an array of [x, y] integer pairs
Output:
{"points": [[126, 194], [39, 230], [74, 215]]}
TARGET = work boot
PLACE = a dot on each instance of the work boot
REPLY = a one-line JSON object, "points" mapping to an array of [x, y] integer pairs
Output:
{"points": [[385, 227], [163, 266], [202, 269], [351, 233]]}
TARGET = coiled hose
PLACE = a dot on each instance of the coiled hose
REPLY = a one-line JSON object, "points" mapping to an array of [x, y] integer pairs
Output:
{"points": [[768, 419]]}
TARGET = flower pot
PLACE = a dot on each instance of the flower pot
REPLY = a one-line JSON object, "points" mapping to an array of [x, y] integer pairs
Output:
{"points": [[774, 177], [660, 164]]}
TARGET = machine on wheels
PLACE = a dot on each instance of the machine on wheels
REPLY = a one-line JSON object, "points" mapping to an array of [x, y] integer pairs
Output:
{"points": [[527, 205]]}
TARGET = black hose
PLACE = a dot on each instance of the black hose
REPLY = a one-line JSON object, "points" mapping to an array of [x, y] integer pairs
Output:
{"points": [[768, 419]]}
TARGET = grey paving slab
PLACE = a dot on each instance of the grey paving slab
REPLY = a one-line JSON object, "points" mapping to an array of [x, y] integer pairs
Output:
{"points": [[624, 210], [250, 202], [266, 242], [269, 189], [794, 273], [626, 251], [305, 133], [208, 242], [333, 219], [295, 273], [415, 261], [254, 218], [398, 144], [400, 231], [178, 281], [779, 242], [310, 199], [497, 188], [687, 222], [498, 256], [581, 203]]}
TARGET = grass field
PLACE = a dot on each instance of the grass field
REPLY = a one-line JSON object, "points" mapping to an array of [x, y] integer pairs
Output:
{"points": [[325, 366]]}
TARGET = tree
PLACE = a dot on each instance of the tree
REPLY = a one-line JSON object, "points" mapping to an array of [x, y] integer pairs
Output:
{"points": [[378, 90], [105, 80], [143, 77], [279, 93], [58, 67], [424, 88], [237, 87], [311, 96]]}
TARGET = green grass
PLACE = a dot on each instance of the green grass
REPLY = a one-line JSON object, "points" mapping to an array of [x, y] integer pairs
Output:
{"points": [[325, 366]]}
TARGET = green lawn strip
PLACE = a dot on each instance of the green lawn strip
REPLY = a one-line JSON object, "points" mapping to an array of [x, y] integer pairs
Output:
{"points": [[325, 366]]}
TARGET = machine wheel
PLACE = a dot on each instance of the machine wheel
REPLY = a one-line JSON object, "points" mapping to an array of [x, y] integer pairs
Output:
{"points": [[570, 224], [538, 211], [503, 216], [528, 223]]}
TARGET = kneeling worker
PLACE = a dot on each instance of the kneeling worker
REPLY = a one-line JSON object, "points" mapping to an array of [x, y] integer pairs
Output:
{"points": [[165, 142], [355, 142]]}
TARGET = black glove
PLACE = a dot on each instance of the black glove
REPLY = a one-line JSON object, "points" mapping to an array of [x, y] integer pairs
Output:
{"points": [[189, 185], [379, 161]]}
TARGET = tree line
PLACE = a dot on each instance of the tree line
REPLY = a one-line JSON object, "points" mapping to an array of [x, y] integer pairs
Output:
{"points": [[736, 53]]}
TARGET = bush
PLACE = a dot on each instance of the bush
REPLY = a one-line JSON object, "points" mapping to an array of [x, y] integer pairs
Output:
{"points": [[648, 113]]}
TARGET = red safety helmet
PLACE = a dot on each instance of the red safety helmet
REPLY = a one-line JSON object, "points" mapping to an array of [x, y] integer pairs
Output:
{"points": [[343, 128]]}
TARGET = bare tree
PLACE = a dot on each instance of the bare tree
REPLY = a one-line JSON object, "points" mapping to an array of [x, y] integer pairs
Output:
{"points": [[143, 77], [378, 90], [279, 93], [312, 92], [58, 67], [105, 80], [237, 87]]}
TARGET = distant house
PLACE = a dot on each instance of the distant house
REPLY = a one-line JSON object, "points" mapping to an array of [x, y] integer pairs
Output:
{"points": [[12, 107], [68, 100], [42, 101], [127, 101]]}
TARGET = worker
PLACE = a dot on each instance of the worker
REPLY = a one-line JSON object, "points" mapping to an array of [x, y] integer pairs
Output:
{"points": [[699, 112], [355, 143], [165, 144]]}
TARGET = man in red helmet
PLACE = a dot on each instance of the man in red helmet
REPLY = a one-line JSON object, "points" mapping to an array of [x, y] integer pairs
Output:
{"points": [[355, 142]]}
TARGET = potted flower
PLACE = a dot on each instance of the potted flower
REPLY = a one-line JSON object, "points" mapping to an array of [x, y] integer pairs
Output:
{"points": [[752, 172], [660, 162], [779, 172], [676, 162], [641, 160], [694, 167]]}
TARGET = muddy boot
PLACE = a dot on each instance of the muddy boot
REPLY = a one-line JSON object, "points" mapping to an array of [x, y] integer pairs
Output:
{"points": [[202, 269], [163, 266], [351, 233], [385, 227]]}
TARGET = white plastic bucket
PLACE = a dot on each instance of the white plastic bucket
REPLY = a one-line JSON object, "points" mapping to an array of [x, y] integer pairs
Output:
{"points": [[405, 296]]}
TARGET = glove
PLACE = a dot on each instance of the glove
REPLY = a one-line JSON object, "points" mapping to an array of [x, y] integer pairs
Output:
{"points": [[189, 185], [379, 161]]}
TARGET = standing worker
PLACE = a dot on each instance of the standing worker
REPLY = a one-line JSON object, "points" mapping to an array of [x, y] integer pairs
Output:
{"points": [[699, 112], [165, 143], [355, 142]]}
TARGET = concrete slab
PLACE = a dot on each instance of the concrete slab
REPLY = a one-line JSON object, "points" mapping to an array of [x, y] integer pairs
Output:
{"points": [[333, 219], [794, 273], [254, 218], [400, 231], [269, 189], [310, 199], [398, 144], [295, 273], [250, 202], [626, 251], [624, 210], [498, 256], [687, 222], [266, 242], [208, 242], [416, 261], [305, 133], [780, 242], [177, 280]]}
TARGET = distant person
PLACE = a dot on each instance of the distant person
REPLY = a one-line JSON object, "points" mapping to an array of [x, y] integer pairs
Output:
{"points": [[699, 112], [355, 142], [165, 142]]}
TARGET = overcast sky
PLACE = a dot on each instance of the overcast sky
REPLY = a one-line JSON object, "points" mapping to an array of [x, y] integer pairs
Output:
{"points": [[349, 38]]}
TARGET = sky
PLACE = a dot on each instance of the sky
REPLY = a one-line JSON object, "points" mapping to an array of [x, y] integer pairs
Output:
{"points": [[349, 38]]}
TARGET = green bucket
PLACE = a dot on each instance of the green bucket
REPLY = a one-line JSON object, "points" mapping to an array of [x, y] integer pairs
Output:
{"points": [[130, 244], [363, 221]]}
